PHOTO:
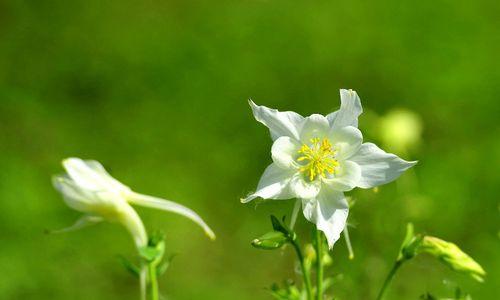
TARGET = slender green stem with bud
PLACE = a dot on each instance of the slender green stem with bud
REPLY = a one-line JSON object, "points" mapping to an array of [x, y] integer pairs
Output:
{"points": [[388, 279], [319, 264], [305, 271]]}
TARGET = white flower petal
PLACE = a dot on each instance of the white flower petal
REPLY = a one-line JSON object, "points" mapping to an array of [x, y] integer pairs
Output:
{"points": [[304, 189], [346, 141], [129, 218], [91, 175], [331, 117], [75, 197], [329, 211], [315, 126], [295, 213], [286, 123], [347, 176], [98, 168], [350, 109], [273, 184], [166, 205], [377, 166], [82, 222], [284, 152]]}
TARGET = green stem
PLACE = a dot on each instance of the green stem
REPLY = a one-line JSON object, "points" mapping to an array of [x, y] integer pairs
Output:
{"points": [[143, 281], [305, 272], [153, 281], [319, 264], [388, 279]]}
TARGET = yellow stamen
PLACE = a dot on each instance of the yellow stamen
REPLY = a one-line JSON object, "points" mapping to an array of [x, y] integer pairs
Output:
{"points": [[319, 158]]}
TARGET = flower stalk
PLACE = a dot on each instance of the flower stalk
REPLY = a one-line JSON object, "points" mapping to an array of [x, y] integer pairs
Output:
{"points": [[153, 282], [319, 264], [305, 271], [389, 278]]}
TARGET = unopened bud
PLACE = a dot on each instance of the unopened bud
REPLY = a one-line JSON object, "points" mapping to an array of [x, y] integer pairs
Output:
{"points": [[452, 256], [271, 240]]}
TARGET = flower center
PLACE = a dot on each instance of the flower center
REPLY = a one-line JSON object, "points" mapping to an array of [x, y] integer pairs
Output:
{"points": [[319, 158]]}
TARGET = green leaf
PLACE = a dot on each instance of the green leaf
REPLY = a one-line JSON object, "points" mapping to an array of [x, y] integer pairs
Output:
{"points": [[428, 296], [278, 226]]}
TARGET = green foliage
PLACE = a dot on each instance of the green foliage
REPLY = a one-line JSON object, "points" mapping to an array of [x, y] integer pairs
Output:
{"points": [[288, 291], [459, 295]]}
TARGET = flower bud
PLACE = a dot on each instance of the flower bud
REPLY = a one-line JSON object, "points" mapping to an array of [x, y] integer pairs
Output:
{"points": [[271, 240], [452, 256], [310, 256]]}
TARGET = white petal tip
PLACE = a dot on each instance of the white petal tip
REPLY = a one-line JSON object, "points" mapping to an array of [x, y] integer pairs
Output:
{"points": [[57, 181], [69, 160], [411, 164], [247, 199]]}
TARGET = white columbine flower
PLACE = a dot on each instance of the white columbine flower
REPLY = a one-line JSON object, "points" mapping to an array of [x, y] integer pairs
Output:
{"points": [[318, 158], [89, 189]]}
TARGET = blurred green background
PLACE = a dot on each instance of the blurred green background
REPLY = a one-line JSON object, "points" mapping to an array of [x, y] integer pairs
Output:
{"points": [[157, 90]]}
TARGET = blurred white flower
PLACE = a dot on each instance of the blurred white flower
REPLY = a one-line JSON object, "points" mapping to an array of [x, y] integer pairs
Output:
{"points": [[88, 188], [318, 158], [401, 130]]}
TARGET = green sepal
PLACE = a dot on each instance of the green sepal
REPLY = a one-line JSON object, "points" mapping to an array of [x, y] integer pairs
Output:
{"points": [[411, 244], [129, 266], [155, 249], [149, 253], [162, 268]]}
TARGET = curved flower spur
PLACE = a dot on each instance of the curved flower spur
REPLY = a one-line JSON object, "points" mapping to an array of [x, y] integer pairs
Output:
{"points": [[318, 158], [88, 188]]}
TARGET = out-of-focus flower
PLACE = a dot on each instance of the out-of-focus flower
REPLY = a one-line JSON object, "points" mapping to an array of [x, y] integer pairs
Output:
{"points": [[318, 158], [400, 130], [88, 188], [452, 256]]}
